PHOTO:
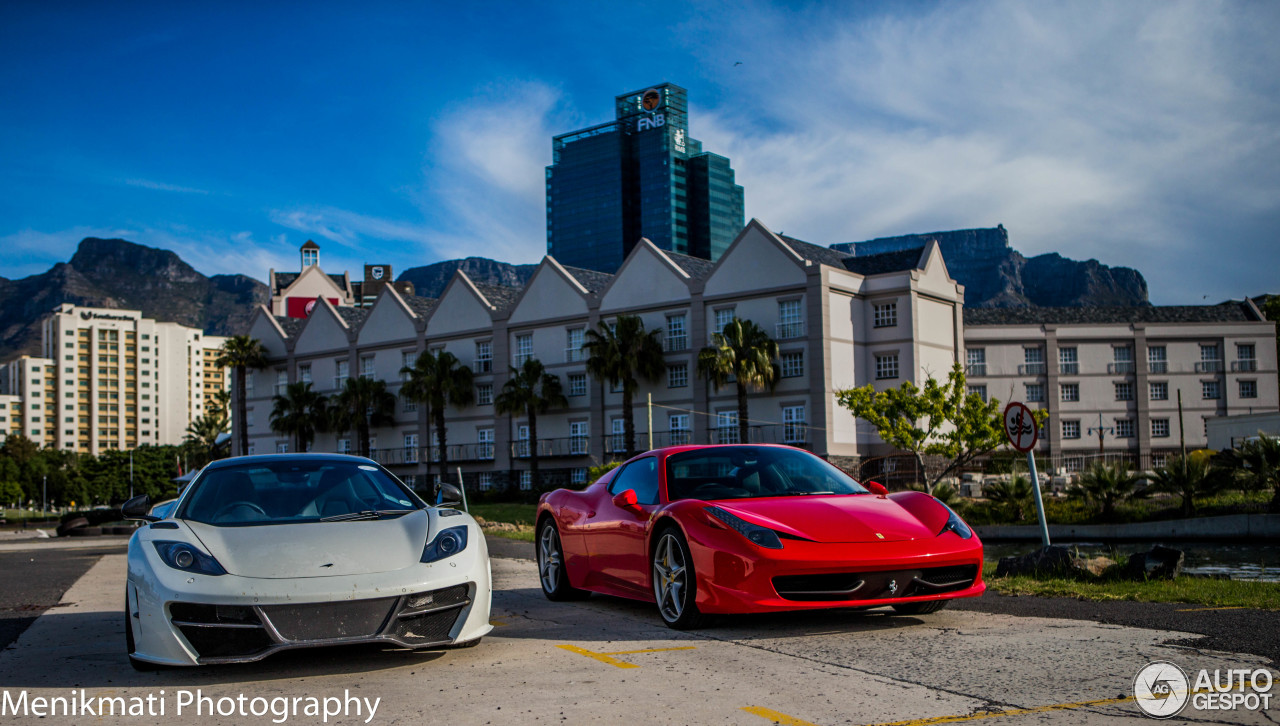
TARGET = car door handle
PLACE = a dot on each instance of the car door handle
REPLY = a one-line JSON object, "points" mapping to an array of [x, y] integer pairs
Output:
{"points": [[591, 514]]}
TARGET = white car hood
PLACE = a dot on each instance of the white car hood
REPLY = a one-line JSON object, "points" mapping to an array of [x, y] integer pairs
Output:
{"points": [[319, 549]]}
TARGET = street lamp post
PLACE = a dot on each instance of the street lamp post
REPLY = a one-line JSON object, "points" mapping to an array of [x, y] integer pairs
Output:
{"points": [[1100, 430]]}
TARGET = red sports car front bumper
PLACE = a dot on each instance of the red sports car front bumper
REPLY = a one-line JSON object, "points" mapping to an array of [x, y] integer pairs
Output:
{"points": [[736, 576]]}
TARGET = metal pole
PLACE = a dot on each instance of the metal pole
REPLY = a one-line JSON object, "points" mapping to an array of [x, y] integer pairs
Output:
{"points": [[1182, 434], [44, 496], [463, 490], [650, 422], [1035, 482], [1100, 451], [131, 475]]}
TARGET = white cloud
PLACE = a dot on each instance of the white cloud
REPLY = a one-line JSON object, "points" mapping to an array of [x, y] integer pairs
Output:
{"points": [[163, 187], [41, 250]]}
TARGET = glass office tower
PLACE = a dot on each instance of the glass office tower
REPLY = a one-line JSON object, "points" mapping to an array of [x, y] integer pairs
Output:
{"points": [[639, 176]]}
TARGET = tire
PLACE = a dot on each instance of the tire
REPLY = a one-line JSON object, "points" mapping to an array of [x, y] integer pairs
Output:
{"points": [[921, 608], [551, 571], [675, 582], [71, 524]]}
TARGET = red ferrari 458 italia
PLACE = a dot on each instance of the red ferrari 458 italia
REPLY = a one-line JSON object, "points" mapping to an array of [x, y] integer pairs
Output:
{"points": [[748, 529]]}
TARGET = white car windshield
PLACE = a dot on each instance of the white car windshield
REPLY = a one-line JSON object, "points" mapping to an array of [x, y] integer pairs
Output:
{"points": [[743, 472], [294, 491]]}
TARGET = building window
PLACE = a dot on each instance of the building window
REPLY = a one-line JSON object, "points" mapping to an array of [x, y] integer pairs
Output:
{"points": [[578, 476], [794, 427], [282, 447], [578, 438], [1124, 391], [526, 480], [484, 449], [980, 390], [1159, 428], [484, 357], [304, 373], [340, 374], [1209, 390], [617, 436], [1124, 428], [1070, 429], [727, 427], [573, 345], [524, 348], [1035, 392], [1159, 390], [366, 366], [486, 481], [1246, 358], [1248, 389], [792, 364], [678, 375], [678, 426], [408, 359], [1070, 391], [1068, 361], [1122, 359], [790, 320], [1033, 362], [484, 394], [885, 315], [410, 405], [886, 366], [1210, 359], [975, 361], [724, 316], [522, 440], [1157, 359], [410, 448], [344, 446], [577, 384], [677, 333]]}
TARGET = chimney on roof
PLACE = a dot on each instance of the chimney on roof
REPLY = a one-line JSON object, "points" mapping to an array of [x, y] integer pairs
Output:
{"points": [[310, 255]]}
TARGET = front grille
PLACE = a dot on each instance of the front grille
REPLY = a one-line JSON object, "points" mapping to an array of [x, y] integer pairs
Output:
{"points": [[888, 584], [215, 642], [429, 628], [329, 620], [191, 612]]}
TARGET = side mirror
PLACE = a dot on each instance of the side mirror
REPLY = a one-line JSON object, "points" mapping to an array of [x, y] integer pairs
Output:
{"points": [[449, 493], [139, 508], [627, 500], [877, 488]]}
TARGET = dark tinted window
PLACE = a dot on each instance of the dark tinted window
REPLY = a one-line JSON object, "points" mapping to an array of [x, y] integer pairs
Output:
{"points": [[741, 472], [640, 475]]}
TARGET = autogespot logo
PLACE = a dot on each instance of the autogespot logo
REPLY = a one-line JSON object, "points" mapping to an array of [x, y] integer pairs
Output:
{"points": [[1161, 689]]}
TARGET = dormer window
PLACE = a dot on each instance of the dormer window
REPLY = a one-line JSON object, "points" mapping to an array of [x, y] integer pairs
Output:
{"points": [[310, 254]]}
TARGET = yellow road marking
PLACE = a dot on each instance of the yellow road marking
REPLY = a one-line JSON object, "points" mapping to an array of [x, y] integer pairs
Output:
{"points": [[774, 716], [604, 657], [1010, 712], [1200, 610]]}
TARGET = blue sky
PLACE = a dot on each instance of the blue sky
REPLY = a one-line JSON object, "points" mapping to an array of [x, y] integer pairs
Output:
{"points": [[1140, 134]]}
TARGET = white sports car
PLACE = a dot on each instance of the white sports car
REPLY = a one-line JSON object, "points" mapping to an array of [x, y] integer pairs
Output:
{"points": [[265, 553]]}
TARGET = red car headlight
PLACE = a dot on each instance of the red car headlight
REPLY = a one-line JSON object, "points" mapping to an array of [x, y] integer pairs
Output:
{"points": [[762, 536]]}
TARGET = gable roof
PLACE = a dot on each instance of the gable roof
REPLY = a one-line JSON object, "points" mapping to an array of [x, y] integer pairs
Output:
{"points": [[884, 262], [352, 316], [290, 326], [501, 297], [593, 281], [283, 280], [814, 253], [421, 306], [1228, 312], [695, 267]]}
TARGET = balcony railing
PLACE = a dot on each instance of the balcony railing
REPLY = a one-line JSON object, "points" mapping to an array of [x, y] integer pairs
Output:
{"points": [[552, 448], [1209, 366], [787, 331], [1031, 369], [1120, 367], [1069, 368], [1158, 366], [975, 369], [482, 451], [675, 343], [1247, 365]]}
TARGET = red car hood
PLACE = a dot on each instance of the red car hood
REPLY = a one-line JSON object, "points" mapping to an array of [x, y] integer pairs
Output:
{"points": [[838, 518]]}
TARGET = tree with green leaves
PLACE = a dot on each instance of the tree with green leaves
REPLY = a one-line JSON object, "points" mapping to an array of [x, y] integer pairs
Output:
{"points": [[202, 434], [363, 404], [744, 354], [241, 354], [1015, 496], [1107, 485], [624, 354], [1255, 465], [436, 380], [299, 413], [1189, 477], [940, 419], [530, 390]]}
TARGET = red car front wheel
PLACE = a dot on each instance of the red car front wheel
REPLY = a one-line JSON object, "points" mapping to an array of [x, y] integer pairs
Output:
{"points": [[674, 582]]}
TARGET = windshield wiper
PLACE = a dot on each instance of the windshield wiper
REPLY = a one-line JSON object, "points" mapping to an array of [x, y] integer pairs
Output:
{"points": [[366, 514]]}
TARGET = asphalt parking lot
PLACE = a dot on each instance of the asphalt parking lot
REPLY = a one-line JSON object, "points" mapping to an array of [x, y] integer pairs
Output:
{"points": [[609, 660]]}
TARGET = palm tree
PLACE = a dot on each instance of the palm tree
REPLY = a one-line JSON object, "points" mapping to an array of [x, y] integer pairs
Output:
{"points": [[530, 391], [743, 353], [621, 353], [436, 380], [1256, 465], [202, 433], [1187, 476], [1108, 485], [1015, 495], [363, 404], [299, 412], [240, 353]]}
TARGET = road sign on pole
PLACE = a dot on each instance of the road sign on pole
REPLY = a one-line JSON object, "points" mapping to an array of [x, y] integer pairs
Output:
{"points": [[1020, 426]]}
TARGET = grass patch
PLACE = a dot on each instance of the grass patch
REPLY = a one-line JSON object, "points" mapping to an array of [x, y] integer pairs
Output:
{"points": [[523, 535], [506, 512], [1191, 590], [1157, 507]]}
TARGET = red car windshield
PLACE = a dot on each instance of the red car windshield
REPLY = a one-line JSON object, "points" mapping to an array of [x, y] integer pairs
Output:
{"points": [[742, 472]]}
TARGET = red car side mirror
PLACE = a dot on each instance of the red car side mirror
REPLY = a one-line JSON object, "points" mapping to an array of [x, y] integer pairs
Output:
{"points": [[877, 488], [627, 500]]}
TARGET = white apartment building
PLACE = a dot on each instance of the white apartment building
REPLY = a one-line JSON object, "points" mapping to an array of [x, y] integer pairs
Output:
{"points": [[1118, 372], [840, 321], [110, 379]]}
